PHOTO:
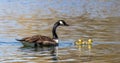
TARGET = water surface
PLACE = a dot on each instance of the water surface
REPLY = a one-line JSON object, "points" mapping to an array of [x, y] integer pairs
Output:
{"points": [[104, 32]]}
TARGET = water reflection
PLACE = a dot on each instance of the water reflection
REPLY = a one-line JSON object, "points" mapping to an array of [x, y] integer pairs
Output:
{"points": [[98, 52], [51, 53], [89, 46], [84, 49], [54, 53]]}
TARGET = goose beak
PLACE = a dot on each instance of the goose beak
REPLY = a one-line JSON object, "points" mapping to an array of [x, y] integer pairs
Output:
{"points": [[66, 25]]}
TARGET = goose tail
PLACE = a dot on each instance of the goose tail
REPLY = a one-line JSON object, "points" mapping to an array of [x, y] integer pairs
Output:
{"points": [[19, 39]]}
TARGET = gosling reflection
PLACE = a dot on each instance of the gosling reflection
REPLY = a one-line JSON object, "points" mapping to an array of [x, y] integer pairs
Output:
{"points": [[89, 47], [84, 49]]}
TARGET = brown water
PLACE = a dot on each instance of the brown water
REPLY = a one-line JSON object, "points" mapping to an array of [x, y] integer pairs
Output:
{"points": [[104, 32]]}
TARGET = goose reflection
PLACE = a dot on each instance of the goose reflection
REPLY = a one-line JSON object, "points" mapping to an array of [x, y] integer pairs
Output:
{"points": [[54, 53]]}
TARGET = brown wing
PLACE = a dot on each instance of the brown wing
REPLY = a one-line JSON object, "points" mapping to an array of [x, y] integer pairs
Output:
{"points": [[24, 39], [45, 39], [38, 39], [30, 39]]}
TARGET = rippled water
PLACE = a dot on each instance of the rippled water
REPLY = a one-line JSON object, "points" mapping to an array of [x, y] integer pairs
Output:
{"points": [[105, 34]]}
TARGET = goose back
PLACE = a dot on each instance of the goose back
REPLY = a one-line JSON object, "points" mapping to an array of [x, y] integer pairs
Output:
{"points": [[44, 40]]}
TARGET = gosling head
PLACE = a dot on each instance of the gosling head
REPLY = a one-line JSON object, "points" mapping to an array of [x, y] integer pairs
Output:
{"points": [[80, 40], [90, 40]]}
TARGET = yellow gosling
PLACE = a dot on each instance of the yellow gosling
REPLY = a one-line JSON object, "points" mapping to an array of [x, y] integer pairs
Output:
{"points": [[84, 42], [89, 41], [79, 42]]}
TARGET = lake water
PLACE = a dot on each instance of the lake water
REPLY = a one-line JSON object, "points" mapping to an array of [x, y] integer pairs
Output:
{"points": [[104, 32]]}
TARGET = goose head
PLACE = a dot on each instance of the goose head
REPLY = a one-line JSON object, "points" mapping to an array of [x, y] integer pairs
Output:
{"points": [[58, 23], [62, 23]]}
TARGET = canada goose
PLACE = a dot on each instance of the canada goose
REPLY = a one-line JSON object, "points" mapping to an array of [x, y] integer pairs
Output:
{"points": [[44, 40]]}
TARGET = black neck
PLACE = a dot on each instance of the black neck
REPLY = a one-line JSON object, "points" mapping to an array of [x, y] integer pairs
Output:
{"points": [[54, 31]]}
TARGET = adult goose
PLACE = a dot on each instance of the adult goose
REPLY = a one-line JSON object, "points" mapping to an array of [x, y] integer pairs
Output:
{"points": [[44, 40]]}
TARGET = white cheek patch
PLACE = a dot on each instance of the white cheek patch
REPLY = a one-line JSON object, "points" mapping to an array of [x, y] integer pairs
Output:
{"points": [[61, 22]]}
